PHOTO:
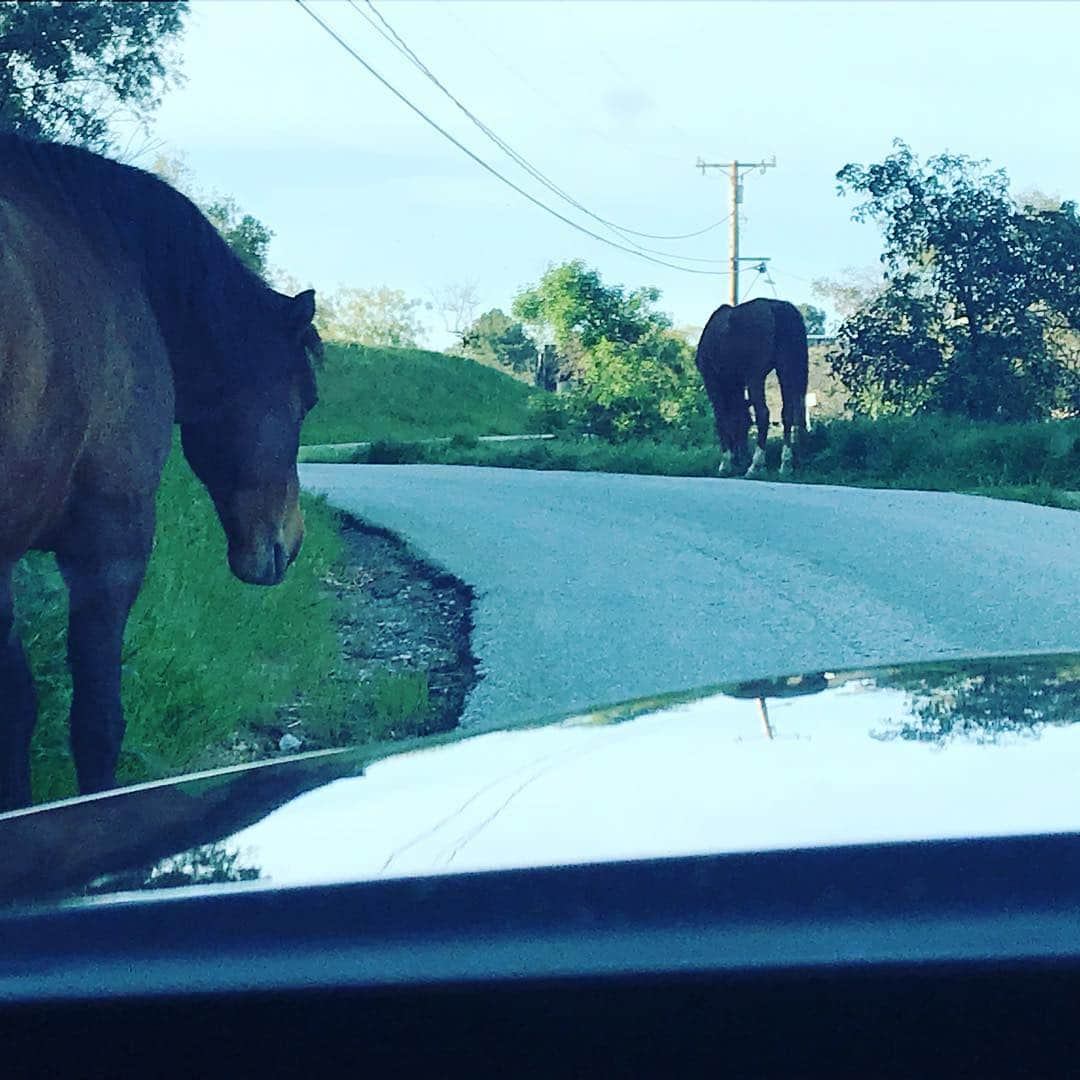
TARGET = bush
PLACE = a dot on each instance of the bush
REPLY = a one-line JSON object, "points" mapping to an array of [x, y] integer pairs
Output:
{"points": [[390, 452]]}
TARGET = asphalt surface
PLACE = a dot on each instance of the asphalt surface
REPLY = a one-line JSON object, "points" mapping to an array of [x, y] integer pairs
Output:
{"points": [[595, 588]]}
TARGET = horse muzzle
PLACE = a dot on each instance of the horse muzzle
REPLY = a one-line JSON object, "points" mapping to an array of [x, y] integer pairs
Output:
{"points": [[263, 564], [263, 540]]}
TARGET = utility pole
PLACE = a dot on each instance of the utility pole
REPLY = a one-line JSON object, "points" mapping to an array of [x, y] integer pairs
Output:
{"points": [[736, 171]]}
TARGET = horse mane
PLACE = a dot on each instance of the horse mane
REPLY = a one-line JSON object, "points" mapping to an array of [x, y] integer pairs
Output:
{"points": [[208, 304]]}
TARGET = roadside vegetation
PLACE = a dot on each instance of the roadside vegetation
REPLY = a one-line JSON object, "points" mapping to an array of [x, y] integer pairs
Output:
{"points": [[1032, 462]]}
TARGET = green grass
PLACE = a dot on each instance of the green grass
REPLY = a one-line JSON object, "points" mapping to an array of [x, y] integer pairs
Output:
{"points": [[1030, 462], [402, 394], [204, 653], [399, 700]]}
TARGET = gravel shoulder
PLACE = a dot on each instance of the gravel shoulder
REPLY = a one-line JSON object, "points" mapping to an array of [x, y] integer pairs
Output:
{"points": [[399, 615]]}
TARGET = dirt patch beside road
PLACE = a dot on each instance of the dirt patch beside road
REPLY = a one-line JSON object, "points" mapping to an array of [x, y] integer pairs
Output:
{"points": [[406, 655]]}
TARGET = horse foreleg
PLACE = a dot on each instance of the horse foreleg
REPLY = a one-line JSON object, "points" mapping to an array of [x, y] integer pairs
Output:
{"points": [[787, 466], [761, 421], [103, 564], [18, 706]]}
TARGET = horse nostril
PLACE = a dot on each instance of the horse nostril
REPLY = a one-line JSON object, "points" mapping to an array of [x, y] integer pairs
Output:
{"points": [[281, 561]]}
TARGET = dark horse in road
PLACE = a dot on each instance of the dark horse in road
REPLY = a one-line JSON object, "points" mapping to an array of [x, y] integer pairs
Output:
{"points": [[123, 312], [738, 348]]}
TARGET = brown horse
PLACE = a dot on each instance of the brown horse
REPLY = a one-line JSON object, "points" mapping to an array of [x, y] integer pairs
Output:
{"points": [[738, 348], [121, 312]]}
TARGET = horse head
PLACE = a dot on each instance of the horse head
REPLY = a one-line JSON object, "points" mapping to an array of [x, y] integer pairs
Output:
{"points": [[244, 448]]}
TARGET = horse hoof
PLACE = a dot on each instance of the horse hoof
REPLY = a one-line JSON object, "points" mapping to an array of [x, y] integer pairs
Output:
{"points": [[757, 463], [786, 469]]}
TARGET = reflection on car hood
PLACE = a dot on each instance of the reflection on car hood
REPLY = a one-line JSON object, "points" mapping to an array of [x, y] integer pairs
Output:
{"points": [[951, 749]]}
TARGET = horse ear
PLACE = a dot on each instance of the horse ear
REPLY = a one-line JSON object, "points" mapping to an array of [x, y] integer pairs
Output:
{"points": [[302, 309]]}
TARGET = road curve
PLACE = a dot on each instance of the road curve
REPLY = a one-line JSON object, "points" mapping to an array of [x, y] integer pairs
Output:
{"points": [[593, 588]]}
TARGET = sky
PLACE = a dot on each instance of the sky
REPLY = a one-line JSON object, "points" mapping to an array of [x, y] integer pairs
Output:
{"points": [[614, 102]]}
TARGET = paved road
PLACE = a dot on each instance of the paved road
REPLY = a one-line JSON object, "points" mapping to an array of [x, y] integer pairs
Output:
{"points": [[594, 588]]}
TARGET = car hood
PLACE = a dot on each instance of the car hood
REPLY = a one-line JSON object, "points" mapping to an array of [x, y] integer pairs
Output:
{"points": [[971, 748]]}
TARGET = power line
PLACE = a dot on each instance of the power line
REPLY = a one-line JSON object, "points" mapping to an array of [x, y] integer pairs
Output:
{"points": [[565, 111], [807, 281], [398, 42], [395, 39], [489, 168]]}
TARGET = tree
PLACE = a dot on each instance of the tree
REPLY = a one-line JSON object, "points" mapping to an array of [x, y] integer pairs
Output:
{"points": [[1034, 200], [854, 290], [887, 354], [456, 303], [575, 309], [971, 288], [690, 334], [496, 338], [990, 701], [636, 389], [380, 317], [68, 71], [246, 235], [813, 317], [633, 375]]}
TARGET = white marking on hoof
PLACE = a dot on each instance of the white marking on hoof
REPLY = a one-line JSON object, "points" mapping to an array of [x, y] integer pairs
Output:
{"points": [[726, 468], [757, 466], [787, 462]]}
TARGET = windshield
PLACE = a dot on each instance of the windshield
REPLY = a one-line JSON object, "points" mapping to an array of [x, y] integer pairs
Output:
{"points": [[394, 378]]}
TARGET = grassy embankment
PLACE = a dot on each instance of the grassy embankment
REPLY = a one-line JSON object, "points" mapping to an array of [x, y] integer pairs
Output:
{"points": [[407, 394]]}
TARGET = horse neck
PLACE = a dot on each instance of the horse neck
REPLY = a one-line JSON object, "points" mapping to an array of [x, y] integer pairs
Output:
{"points": [[207, 348]]}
